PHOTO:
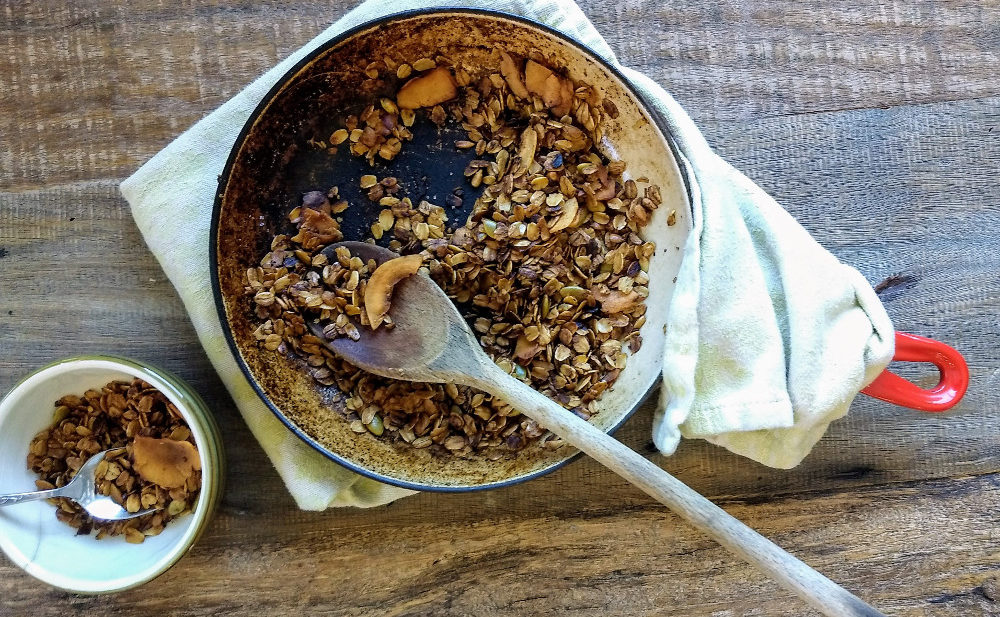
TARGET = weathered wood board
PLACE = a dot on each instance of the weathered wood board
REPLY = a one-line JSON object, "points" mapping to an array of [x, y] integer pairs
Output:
{"points": [[876, 125]]}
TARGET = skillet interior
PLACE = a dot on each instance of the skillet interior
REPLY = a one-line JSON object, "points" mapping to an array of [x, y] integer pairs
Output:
{"points": [[271, 166]]}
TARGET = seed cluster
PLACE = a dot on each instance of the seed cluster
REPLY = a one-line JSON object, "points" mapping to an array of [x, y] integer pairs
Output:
{"points": [[549, 269], [378, 131], [113, 417]]}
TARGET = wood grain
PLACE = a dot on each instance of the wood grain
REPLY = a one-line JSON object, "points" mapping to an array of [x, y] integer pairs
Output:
{"points": [[875, 124]]}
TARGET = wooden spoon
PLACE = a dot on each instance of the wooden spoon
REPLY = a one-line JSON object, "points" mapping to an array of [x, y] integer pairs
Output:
{"points": [[432, 343]]}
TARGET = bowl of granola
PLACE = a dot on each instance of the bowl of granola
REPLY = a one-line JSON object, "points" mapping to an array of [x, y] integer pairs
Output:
{"points": [[520, 169], [167, 457]]}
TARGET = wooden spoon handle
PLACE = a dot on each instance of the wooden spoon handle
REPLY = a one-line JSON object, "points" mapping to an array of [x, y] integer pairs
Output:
{"points": [[817, 590]]}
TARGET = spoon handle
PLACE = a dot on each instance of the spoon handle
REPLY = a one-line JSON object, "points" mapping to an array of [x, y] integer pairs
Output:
{"points": [[817, 590], [14, 498]]}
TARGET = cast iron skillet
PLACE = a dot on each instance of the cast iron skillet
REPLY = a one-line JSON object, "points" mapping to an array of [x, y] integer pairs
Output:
{"points": [[271, 166]]}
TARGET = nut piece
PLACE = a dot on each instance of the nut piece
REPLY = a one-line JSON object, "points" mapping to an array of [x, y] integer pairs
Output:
{"points": [[534, 77], [615, 301], [512, 74], [555, 92], [378, 293], [165, 462], [318, 228], [428, 90]]}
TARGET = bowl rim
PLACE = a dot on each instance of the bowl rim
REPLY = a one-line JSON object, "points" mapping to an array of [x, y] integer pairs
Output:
{"points": [[658, 120], [210, 449]]}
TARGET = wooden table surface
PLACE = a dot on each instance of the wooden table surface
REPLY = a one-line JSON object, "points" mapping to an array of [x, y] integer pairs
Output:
{"points": [[876, 124]]}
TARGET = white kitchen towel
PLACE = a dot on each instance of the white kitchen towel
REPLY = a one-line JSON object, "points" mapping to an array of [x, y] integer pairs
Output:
{"points": [[769, 336]]}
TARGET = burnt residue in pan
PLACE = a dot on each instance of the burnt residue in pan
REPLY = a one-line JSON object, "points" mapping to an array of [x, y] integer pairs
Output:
{"points": [[428, 168]]}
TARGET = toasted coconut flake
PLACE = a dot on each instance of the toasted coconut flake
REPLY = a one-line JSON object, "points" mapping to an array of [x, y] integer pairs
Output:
{"points": [[512, 74], [165, 462], [427, 90], [378, 293], [615, 301], [535, 75], [555, 91]]}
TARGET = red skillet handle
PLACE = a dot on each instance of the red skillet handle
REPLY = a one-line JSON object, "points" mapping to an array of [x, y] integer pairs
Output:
{"points": [[954, 382]]}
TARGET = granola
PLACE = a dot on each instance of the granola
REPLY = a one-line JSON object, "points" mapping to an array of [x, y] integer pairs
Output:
{"points": [[157, 465]]}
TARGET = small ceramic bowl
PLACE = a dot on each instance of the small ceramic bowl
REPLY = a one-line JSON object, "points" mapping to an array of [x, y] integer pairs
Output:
{"points": [[50, 550]]}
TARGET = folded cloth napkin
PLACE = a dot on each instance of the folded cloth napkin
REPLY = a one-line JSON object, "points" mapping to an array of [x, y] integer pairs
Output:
{"points": [[769, 336]]}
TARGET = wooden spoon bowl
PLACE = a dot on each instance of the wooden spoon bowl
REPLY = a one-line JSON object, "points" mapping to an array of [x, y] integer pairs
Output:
{"points": [[420, 335]]}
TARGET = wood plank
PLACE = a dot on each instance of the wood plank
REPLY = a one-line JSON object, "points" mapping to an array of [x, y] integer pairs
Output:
{"points": [[922, 549], [898, 506], [737, 60], [100, 88]]}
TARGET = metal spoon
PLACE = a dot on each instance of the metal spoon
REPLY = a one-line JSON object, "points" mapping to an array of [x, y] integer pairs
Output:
{"points": [[432, 343], [83, 490]]}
